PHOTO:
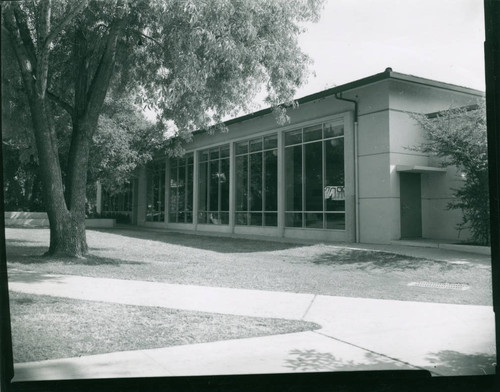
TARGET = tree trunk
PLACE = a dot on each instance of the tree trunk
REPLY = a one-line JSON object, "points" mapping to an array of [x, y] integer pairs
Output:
{"points": [[65, 207], [67, 227], [67, 236]]}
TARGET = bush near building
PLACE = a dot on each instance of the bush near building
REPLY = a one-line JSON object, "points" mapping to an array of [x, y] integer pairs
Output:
{"points": [[458, 137]]}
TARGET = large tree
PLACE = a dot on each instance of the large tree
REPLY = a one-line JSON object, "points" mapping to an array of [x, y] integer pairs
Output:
{"points": [[193, 61]]}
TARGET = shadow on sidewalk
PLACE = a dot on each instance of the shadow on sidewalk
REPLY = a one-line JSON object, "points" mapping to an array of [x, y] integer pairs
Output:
{"points": [[315, 361], [455, 363]]}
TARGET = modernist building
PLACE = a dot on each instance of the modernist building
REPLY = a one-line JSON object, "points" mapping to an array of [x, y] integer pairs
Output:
{"points": [[342, 169]]}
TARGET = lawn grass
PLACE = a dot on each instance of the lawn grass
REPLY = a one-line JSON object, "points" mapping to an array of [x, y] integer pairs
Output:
{"points": [[45, 327], [251, 264]]}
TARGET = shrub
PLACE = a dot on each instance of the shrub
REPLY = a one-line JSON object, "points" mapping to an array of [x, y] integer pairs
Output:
{"points": [[458, 137]]}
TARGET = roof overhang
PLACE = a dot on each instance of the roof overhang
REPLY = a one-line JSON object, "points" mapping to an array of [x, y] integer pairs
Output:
{"points": [[387, 74], [419, 169]]}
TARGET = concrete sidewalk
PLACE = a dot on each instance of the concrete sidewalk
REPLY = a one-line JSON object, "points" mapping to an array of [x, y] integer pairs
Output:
{"points": [[356, 333]]}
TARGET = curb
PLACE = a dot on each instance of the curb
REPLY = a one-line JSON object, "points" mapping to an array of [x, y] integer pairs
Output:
{"points": [[481, 250]]}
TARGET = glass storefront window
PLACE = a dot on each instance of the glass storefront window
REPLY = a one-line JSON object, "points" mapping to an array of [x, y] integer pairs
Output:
{"points": [[118, 205], [155, 192], [293, 178], [314, 177], [213, 186], [293, 137], [181, 190], [256, 170]]}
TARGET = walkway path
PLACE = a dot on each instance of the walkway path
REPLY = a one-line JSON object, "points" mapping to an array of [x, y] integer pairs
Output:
{"points": [[356, 333]]}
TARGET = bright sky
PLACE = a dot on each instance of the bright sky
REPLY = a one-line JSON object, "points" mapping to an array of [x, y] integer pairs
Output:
{"points": [[435, 39]]}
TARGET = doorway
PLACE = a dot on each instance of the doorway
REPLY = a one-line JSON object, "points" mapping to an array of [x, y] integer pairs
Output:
{"points": [[411, 205]]}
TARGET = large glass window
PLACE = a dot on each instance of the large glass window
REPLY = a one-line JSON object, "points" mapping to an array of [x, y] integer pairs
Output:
{"points": [[155, 195], [119, 202], [213, 184], [314, 177], [180, 204], [118, 205], [257, 181]]}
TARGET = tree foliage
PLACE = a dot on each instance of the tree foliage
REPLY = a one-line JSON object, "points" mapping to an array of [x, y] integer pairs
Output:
{"points": [[458, 137], [193, 61], [124, 140]]}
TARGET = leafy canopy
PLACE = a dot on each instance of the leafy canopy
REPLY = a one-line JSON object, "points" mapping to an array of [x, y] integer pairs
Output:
{"points": [[194, 61], [458, 136]]}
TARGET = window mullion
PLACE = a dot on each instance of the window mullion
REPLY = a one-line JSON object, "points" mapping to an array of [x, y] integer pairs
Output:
{"points": [[219, 186], [207, 188], [323, 179], [303, 151], [249, 176], [177, 191], [186, 185], [263, 184]]}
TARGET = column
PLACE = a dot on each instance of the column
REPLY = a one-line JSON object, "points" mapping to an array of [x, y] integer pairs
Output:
{"points": [[195, 189], [232, 189], [281, 184]]}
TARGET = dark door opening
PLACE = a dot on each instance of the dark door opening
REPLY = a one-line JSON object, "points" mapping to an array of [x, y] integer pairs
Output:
{"points": [[411, 205]]}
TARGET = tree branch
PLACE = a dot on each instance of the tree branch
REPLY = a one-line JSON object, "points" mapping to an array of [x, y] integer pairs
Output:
{"points": [[80, 54], [42, 70], [66, 106], [145, 36], [23, 58], [100, 81], [67, 18], [24, 32]]}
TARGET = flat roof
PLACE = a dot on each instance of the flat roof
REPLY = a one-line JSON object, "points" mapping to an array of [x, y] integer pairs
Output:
{"points": [[387, 74]]}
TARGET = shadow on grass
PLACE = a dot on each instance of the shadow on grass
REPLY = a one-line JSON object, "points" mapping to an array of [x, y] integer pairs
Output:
{"points": [[367, 260], [221, 244], [454, 363], [63, 369], [34, 255], [16, 241], [21, 300], [31, 277]]}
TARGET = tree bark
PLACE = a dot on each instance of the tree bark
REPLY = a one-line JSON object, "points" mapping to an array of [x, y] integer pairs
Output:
{"points": [[67, 228], [65, 205]]}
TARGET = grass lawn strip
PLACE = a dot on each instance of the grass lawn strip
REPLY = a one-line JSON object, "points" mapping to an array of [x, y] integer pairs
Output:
{"points": [[261, 265], [45, 327]]}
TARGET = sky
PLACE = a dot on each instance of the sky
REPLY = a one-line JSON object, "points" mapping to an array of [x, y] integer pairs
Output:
{"points": [[435, 39]]}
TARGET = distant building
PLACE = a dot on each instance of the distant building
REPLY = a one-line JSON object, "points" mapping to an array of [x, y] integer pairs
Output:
{"points": [[340, 170]]}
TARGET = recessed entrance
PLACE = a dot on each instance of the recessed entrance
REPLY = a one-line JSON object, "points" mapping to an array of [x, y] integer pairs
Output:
{"points": [[411, 205]]}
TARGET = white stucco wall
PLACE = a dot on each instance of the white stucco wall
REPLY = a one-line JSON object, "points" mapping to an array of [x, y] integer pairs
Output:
{"points": [[437, 221]]}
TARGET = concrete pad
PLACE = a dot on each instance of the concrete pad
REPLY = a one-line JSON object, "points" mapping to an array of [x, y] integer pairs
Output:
{"points": [[297, 352], [254, 303], [444, 338], [17, 222], [25, 215]]}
